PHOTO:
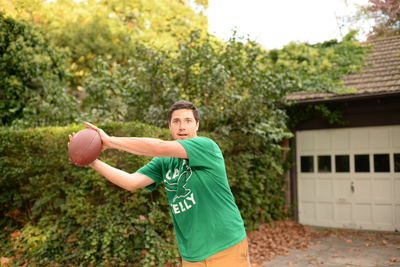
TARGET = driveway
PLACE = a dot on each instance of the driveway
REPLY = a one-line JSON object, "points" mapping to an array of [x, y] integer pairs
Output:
{"points": [[343, 248]]}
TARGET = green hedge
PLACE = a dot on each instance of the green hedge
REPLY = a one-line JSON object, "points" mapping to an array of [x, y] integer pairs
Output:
{"points": [[56, 213]]}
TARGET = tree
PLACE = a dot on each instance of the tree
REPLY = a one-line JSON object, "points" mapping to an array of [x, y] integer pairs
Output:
{"points": [[378, 18], [386, 14], [32, 72]]}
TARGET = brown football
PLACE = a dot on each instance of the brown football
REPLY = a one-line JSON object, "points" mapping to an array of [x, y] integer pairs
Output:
{"points": [[84, 147]]}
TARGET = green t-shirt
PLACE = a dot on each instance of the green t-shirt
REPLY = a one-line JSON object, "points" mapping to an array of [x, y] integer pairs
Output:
{"points": [[205, 216]]}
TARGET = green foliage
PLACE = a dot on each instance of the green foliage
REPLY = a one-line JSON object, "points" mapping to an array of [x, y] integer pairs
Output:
{"points": [[320, 67], [32, 72], [329, 112], [56, 213], [131, 91], [109, 28]]}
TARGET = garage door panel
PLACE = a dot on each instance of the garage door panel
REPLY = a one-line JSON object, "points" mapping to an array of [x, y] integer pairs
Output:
{"points": [[307, 211], [395, 137], [379, 138], [307, 142], [362, 189], [340, 140], [397, 190], [324, 189], [362, 213], [342, 189], [307, 189], [382, 190], [359, 138], [322, 141], [325, 211], [383, 214], [343, 213], [397, 216]]}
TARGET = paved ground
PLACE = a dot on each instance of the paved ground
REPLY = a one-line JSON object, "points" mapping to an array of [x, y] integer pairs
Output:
{"points": [[345, 248]]}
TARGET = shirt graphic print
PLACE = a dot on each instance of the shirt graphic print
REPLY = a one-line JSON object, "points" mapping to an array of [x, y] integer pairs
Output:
{"points": [[176, 182]]}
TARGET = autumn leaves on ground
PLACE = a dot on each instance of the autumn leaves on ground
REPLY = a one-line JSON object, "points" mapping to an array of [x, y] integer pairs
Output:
{"points": [[276, 239]]}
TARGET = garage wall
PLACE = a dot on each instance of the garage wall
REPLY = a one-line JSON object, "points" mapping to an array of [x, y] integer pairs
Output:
{"points": [[366, 111]]}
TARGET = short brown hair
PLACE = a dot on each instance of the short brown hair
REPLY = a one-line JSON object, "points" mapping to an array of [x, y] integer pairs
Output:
{"points": [[182, 104]]}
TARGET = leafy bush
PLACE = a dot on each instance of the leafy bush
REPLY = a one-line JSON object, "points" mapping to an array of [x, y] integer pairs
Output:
{"points": [[68, 214], [55, 212]]}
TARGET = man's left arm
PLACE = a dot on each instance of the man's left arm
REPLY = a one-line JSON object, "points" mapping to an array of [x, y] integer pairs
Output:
{"points": [[142, 146]]}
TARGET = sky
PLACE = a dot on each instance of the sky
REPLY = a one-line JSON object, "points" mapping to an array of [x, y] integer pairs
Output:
{"points": [[275, 23]]}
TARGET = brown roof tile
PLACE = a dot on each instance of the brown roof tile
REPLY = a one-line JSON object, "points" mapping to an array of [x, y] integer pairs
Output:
{"points": [[381, 75]]}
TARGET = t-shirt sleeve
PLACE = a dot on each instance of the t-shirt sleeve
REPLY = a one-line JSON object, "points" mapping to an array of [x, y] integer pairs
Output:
{"points": [[202, 151], [153, 169]]}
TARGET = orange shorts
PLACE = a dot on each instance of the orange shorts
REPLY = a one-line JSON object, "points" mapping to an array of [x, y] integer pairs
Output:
{"points": [[236, 255]]}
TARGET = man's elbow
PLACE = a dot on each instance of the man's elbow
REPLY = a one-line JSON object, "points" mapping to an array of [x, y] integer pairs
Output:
{"points": [[137, 181], [132, 187]]}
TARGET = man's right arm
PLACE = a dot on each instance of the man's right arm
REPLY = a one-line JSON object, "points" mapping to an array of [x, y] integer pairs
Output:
{"points": [[128, 181]]}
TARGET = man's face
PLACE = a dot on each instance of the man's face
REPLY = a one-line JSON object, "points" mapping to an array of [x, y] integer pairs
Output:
{"points": [[183, 125]]}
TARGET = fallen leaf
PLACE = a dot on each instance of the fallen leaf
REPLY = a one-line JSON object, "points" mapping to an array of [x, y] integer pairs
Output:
{"points": [[316, 262], [4, 261], [393, 260], [15, 234]]}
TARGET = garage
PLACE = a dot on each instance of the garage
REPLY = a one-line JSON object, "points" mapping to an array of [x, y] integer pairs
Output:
{"points": [[349, 178], [347, 174]]}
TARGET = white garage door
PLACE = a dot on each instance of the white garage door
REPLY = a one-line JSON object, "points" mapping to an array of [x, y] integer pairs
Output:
{"points": [[349, 177]]}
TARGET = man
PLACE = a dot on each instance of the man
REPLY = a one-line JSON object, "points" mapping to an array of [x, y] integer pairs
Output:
{"points": [[207, 222]]}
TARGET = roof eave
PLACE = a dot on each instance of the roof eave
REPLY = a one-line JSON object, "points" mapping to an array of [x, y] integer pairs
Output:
{"points": [[344, 98]]}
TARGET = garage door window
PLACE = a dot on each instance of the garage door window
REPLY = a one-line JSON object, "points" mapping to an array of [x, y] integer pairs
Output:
{"points": [[324, 163], [381, 163], [342, 163], [396, 162], [307, 163], [361, 163]]}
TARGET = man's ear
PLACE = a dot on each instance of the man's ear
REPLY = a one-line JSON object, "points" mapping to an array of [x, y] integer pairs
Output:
{"points": [[197, 128]]}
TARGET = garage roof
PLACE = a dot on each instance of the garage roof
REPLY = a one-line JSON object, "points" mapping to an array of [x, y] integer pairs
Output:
{"points": [[380, 76]]}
